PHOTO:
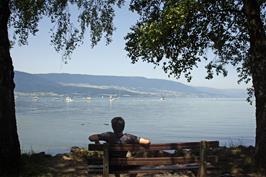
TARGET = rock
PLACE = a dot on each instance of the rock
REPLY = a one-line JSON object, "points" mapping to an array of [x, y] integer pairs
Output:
{"points": [[66, 158]]}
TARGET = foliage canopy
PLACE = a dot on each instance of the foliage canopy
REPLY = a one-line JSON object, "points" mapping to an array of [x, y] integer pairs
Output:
{"points": [[178, 34], [69, 29]]}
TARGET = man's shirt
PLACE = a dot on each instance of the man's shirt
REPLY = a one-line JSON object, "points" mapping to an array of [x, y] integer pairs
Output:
{"points": [[113, 138]]}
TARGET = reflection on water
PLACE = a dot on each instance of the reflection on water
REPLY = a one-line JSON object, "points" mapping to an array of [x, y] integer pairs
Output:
{"points": [[50, 124]]}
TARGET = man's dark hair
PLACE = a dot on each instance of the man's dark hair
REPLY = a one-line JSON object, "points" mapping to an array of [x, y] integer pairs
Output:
{"points": [[118, 124]]}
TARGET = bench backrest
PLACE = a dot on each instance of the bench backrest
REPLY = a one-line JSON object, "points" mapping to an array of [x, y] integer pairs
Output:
{"points": [[124, 162], [152, 147]]}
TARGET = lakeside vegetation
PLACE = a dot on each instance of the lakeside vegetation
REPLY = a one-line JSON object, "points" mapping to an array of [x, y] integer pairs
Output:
{"points": [[235, 161]]}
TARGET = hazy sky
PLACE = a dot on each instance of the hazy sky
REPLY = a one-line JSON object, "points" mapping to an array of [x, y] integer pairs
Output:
{"points": [[40, 57]]}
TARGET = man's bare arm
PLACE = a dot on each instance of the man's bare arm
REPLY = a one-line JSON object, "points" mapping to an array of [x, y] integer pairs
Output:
{"points": [[144, 141], [94, 138]]}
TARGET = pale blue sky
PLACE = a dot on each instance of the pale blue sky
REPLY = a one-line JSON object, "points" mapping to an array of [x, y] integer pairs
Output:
{"points": [[40, 57]]}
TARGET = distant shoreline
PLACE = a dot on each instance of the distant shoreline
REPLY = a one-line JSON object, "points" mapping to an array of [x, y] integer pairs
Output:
{"points": [[93, 85]]}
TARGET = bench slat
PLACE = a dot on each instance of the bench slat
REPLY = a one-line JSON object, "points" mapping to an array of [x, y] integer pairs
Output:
{"points": [[153, 147], [150, 169], [150, 161]]}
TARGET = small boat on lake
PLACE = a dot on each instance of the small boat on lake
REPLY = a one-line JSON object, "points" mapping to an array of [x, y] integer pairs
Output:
{"points": [[68, 99], [111, 98], [88, 98], [162, 98], [35, 98]]}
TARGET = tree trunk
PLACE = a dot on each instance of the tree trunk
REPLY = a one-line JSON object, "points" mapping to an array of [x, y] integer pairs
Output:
{"points": [[258, 71], [9, 142]]}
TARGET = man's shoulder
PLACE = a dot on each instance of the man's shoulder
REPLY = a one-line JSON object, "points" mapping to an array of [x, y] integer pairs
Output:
{"points": [[107, 133], [129, 139], [128, 134]]}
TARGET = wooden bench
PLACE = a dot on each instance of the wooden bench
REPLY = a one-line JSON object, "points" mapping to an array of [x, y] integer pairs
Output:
{"points": [[198, 163]]}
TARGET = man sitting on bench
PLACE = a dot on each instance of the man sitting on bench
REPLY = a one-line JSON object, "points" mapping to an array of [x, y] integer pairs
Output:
{"points": [[118, 137]]}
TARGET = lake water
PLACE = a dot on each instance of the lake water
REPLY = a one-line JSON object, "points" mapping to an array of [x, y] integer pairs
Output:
{"points": [[52, 125]]}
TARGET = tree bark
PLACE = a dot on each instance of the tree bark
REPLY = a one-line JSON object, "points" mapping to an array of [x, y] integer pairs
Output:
{"points": [[257, 56], [9, 142]]}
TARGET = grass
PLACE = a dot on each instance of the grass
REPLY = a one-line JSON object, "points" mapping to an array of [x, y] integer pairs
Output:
{"points": [[36, 165]]}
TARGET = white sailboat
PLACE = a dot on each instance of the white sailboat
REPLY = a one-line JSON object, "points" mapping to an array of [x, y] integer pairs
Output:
{"points": [[162, 98], [35, 98], [88, 98], [68, 99], [111, 98]]}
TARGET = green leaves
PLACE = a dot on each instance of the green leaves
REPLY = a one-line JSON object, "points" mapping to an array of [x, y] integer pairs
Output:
{"points": [[177, 34], [71, 19], [25, 15]]}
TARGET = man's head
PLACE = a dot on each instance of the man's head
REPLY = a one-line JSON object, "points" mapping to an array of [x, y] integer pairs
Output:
{"points": [[118, 124]]}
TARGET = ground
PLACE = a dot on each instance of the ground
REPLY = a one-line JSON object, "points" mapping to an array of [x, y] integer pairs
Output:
{"points": [[233, 162]]}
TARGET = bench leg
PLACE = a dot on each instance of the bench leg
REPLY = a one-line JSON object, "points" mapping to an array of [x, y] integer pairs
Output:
{"points": [[106, 160], [203, 153]]}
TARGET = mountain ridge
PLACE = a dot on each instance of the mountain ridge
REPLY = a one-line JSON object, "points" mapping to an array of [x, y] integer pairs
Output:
{"points": [[64, 83]]}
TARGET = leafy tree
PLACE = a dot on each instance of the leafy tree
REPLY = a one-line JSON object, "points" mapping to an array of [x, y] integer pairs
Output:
{"points": [[94, 19], [178, 34]]}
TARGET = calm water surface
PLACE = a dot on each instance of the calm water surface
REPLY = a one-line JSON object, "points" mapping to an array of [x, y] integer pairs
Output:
{"points": [[54, 126]]}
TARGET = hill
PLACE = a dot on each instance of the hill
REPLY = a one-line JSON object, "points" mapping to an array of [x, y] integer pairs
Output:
{"points": [[113, 85]]}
